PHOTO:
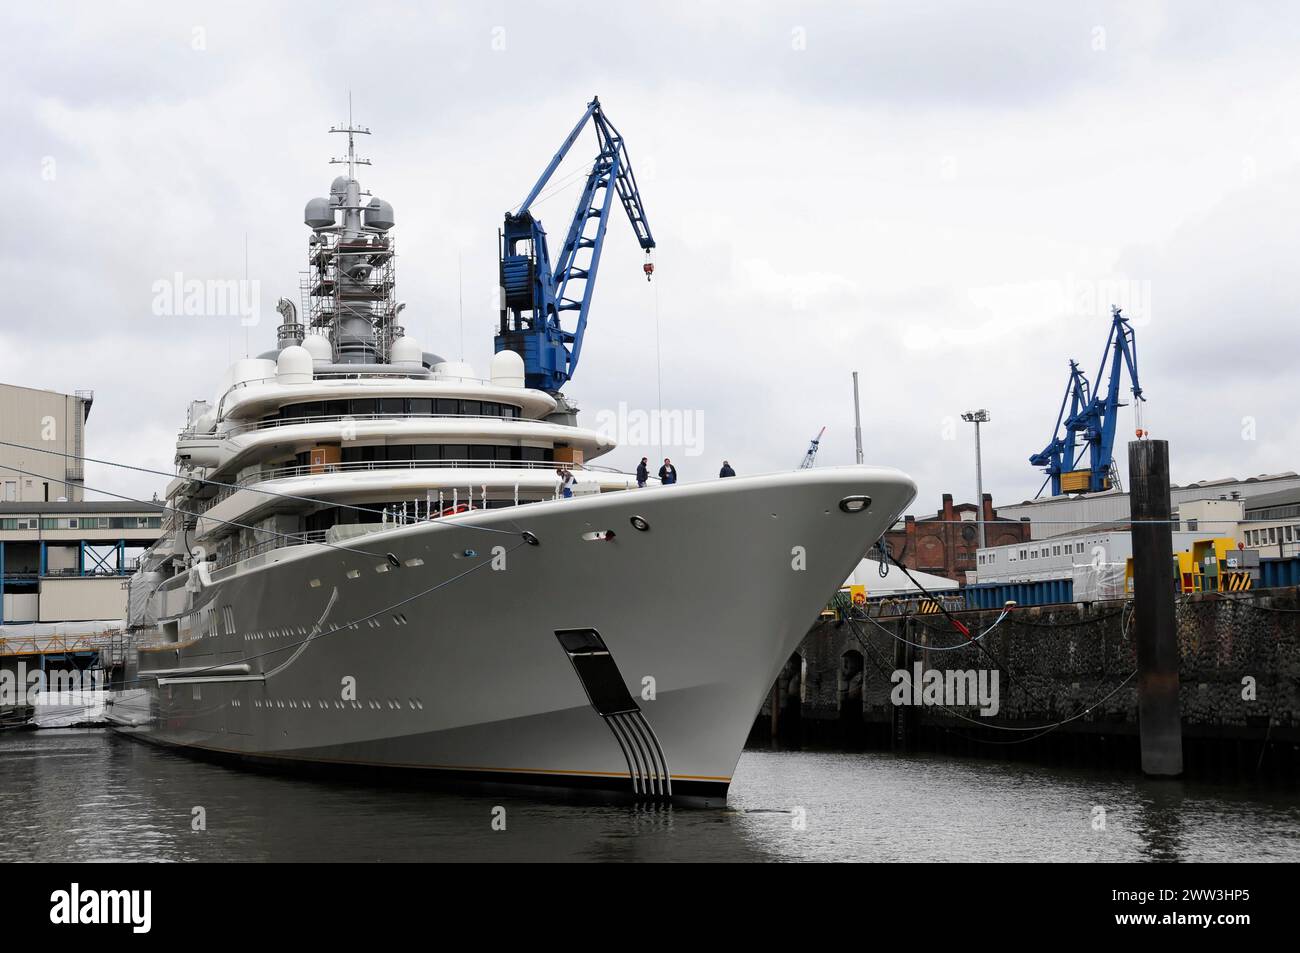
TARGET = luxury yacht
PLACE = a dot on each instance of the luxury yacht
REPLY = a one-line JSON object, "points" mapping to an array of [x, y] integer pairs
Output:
{"points": [[376, 560]]}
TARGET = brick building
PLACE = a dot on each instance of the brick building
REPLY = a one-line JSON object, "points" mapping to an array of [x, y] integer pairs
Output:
{"points": [[945, 543]]}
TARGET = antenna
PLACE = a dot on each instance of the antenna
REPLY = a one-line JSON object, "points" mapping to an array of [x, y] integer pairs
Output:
{"points": [[352, 160]]}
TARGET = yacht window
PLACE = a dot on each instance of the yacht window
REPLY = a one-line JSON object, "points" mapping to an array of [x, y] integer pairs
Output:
{"points": [[448, 407], [426, 451], [392, 405], [491, 409], [422, 405], [532, 453], [371, 454], [455, 451], [471, 408], [399, 452], [482, 453], [364, 406], [337, 408]]}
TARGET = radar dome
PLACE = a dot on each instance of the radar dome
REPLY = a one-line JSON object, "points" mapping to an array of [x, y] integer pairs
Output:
{"points": [[453, 370], [294, 365], [379, 214], [507, 369], [318, 214], [319, 347], [406, 351], [339, 190]]}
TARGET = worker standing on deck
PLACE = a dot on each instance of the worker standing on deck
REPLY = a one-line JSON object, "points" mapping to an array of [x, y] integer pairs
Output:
{"points": [[642, 472], [566, 482], [667, 473], [726, 470]]}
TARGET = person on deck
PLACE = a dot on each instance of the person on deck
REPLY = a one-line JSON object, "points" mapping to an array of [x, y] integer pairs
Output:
{"points": [[566, 482], [667, 473], [726, 470], [642, 472]]}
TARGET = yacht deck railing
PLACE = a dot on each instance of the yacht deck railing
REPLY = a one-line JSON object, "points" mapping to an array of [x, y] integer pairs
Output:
{"points": [[339, 418], [289, 472]]}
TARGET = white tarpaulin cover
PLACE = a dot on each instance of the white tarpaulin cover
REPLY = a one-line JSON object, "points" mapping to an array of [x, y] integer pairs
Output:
{"points": [[895, 583]]}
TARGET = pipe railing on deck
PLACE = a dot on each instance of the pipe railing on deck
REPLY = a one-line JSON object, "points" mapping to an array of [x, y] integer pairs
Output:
{"points": [[362, 466]]}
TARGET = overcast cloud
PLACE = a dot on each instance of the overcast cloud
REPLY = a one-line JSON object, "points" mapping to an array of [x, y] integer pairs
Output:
{"points": [[944, 198]]}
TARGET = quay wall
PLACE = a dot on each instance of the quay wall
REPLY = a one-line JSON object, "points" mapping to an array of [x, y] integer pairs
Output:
{"points": [[1239, 682]]}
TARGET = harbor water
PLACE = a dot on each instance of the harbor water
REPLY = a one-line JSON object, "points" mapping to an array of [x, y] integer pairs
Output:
{"points": [[74, 795]]}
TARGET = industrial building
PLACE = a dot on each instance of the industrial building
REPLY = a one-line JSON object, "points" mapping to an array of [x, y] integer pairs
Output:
{"points": [[54, 422], [945, 544], [64, 560], [1053, 516], [1273, 524], [1087, 562]]}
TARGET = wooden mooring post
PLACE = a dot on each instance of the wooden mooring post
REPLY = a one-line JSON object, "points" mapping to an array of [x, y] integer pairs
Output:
{"points": [[1159, 721]]}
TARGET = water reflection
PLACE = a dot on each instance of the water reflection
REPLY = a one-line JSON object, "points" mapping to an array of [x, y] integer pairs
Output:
{"points": [[91, 796], [1159, 818]]}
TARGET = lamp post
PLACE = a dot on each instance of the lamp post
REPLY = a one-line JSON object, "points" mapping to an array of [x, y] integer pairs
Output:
{"points": [[978, 417]]}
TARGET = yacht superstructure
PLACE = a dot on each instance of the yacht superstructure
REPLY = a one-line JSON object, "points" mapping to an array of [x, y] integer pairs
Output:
{"points": [[368, 563]]}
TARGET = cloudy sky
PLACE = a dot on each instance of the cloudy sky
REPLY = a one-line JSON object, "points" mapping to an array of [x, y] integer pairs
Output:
{"points": [[946, 198]]}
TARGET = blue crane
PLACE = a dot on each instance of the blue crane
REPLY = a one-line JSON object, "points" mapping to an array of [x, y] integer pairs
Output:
{"points": [[1090, 423], [536, 292], [810, 457]]}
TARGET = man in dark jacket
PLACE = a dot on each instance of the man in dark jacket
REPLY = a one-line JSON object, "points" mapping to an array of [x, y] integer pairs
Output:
{"points": [[642, 472], [667, 473], [726, 470]]}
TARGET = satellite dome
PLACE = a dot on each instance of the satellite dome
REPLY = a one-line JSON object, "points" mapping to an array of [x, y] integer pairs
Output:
{"points": [[294, 365], [507, 369], [319, 347], [453, 370], [406, 351]]}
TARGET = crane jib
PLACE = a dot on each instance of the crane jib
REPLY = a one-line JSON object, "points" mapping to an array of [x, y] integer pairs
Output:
{"points": [[534, 290], [1090, 423]]}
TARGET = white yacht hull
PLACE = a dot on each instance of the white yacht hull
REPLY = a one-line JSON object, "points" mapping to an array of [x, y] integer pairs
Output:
{"points": [[312, 656]]}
